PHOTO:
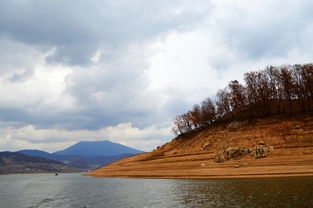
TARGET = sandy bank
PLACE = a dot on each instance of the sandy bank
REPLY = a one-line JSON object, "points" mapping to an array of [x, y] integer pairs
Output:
{"points": [[281, 163]]}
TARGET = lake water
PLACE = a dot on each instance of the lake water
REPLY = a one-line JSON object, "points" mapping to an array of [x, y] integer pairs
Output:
{"points": [[75, 190]]}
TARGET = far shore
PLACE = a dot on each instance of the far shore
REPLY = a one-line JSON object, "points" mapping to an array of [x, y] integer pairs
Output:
{"points": [[53, 173]]}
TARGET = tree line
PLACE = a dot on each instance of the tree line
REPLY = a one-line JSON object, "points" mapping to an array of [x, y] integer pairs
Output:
{"points": [[274, 90]]}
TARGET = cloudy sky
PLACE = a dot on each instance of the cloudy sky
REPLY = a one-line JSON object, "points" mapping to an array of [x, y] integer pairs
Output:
{"points": [[73, 70]]}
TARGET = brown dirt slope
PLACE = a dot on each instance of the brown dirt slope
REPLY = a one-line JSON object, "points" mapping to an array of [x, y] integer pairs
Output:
{"points": [[192, 155]]}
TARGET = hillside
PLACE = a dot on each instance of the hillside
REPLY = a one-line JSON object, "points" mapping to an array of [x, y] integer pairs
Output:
{"points": [[37, 153], [97, 148], [263, 127], [276, 145], [15, 162]]}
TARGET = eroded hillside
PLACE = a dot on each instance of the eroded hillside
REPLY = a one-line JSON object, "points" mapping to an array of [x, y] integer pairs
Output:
{"points": [[288, 139]]}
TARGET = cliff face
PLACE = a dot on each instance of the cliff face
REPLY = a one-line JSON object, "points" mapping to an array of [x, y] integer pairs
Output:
{"points": [[286, 141]]}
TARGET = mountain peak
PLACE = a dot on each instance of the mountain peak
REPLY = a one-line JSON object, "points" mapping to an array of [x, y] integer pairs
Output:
{"points": [[97, 148], [102, 141]]}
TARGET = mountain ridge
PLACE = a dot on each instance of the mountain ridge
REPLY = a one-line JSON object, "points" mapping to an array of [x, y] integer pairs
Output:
{"points": [[16, 162], [97, 148], [78, 160]]}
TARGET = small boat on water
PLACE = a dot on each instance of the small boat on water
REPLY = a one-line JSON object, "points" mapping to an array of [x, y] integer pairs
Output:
{"points": [[56, 174]]}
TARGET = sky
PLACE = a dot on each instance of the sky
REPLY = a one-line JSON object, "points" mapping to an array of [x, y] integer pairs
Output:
{"points": [[74, 70]]}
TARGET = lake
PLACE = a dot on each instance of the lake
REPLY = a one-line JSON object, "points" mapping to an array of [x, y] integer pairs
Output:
{"points": [[75, 190]]}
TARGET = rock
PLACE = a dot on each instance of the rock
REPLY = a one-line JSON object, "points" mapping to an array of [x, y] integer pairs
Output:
{"points": [[244, 151], [233, 152], [261, 143], [219, 157], [257, 152], [206, 145], [260, 152], [236, 125], [252, 151]]}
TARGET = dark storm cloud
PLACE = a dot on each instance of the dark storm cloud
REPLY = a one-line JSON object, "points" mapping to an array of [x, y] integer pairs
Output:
{"points": [[77, 28], [70, 32]]}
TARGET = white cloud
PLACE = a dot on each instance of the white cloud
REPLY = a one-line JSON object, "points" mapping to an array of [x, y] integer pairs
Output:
{"points": [[32, 83], [55, 139], [235, 37], [98, 67]]}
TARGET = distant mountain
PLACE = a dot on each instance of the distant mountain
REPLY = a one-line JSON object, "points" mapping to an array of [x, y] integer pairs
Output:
{"points": [[20, 157], [37, 153], [97, 148], [16, 162], [99, 161], [87, 155], [90, 162]]}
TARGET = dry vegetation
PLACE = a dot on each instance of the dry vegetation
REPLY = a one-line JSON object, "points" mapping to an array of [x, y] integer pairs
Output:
{"points": [[274, 90]]}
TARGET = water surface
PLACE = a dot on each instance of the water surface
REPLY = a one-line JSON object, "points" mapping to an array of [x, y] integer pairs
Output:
{"points": [[75, 190]]}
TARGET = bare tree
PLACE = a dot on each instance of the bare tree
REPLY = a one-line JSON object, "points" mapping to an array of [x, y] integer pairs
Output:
{"points": [[222, 102], [208, 112], [272, 90], [237, 95]]}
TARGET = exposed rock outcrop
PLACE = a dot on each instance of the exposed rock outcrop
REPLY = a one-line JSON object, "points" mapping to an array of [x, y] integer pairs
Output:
{"points": [[258, 151]]}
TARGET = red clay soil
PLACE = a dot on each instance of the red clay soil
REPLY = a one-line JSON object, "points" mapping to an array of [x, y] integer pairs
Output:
{"points": [[192, 155]]}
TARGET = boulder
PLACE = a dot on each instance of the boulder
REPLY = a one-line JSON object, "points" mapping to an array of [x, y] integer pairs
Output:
{"points": [[236, 125], [219, 157], [233, 152], [230, 153], [259, 152], [252, 151], [206, 145], [261, 143]]}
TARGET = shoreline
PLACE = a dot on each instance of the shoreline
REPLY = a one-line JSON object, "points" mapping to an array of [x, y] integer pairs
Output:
{"points": [[204, 177], [280, 163]]}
